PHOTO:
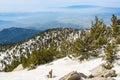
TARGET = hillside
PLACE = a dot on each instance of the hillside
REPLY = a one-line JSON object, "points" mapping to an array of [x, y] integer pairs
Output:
{"points": [[12, 35], [60, 68], [42, 40]]}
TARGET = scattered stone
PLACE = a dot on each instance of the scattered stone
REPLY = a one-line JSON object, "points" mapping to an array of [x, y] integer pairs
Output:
{"points": [[100, 78], [101, 71], [98, 71], [110, 73], [82, 75], [90, 76]]}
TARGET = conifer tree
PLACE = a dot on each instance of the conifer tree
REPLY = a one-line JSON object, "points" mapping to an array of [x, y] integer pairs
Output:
{"points": [[81, 49], [118, 21], [23, 60], [111, 47], [110, 52], [33, 58], [64, 48], [115, 26], [98, 33]]}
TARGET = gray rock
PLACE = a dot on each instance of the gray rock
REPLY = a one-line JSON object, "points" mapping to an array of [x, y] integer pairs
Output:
{"points": [[90, 76], [71, 76], [110, 73], [82, 75], [100, 78], [100, 71]]}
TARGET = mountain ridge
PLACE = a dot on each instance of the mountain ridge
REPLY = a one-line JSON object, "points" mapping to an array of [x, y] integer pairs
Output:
{"points": [[14, 34], [41, 40]]}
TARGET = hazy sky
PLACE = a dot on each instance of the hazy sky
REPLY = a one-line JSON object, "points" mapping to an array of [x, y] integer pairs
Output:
{"points": [[47, 5]]}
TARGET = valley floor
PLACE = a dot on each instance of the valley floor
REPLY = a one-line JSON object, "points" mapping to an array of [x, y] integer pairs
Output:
{"points": [[60, 68]]}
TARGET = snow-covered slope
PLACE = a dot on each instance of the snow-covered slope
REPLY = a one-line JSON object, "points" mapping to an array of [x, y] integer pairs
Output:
{"points": [[42, 40], [60, 68]]}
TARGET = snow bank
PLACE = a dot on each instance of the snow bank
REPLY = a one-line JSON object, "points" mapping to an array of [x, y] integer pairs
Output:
{"points": [[60, 67]]}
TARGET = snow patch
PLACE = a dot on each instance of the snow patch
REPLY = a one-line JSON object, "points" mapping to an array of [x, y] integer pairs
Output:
{"points": [[60, 68]]}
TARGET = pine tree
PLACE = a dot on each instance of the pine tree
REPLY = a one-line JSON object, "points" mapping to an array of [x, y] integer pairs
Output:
{"points": [[110, 52], [118, 21], [12, 66], [64, 48], [115, 26], [23, 61], [33, 58], [111, 47], [80, 49], [98, 33]]}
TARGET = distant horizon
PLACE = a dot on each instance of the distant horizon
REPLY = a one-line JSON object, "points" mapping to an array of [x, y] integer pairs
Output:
{"points": [[34, 13], [51, 5], [41, 19]]}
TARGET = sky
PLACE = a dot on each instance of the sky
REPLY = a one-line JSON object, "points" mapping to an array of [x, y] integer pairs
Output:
{"points": [[64, 11], [49, 5]]}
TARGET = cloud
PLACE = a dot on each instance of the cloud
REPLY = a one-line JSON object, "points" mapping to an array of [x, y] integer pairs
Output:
{"points": [[47, 5], [81, 6]]}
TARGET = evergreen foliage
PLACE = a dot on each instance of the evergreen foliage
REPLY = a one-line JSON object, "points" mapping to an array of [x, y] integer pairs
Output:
{"points": [[41, 56], [80, 48], [118, 21], [110, 52], [11, 66], [115, 26], [64, 48], [24, 61], [98, 33]]}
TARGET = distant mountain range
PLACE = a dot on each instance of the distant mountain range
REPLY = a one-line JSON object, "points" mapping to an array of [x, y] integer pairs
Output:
{"points": [[14, 34], [81, 6], [11, 35], [68, 15], [9, 24], [55, 24]]}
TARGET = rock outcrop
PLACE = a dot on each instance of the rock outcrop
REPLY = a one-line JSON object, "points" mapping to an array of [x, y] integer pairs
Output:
{"points": [[97, 73], [71, 76], [100, 78], [101, 71]]}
